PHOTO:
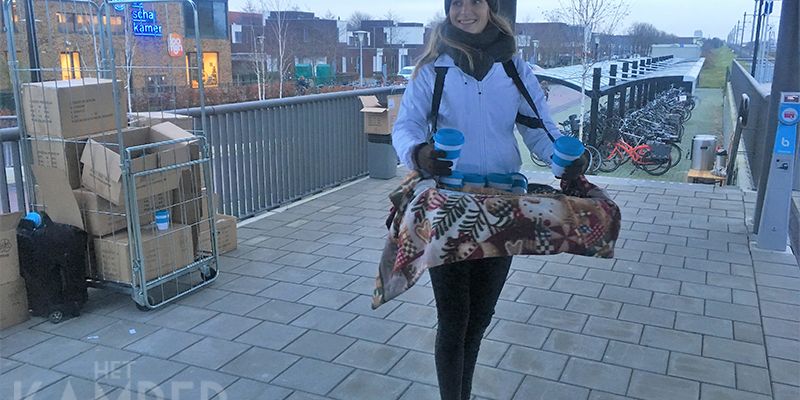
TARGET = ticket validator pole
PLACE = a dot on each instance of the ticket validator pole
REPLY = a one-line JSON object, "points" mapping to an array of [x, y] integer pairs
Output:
{"points": [[773, 230]]}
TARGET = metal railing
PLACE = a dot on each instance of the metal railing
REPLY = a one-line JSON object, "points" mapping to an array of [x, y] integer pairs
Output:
{"points": [[272, 152], [12, 194], [753, 134]]}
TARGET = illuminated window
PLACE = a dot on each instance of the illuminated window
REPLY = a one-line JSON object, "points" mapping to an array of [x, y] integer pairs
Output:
{"points": [[66, 22], [71, 65], [210, 69]]}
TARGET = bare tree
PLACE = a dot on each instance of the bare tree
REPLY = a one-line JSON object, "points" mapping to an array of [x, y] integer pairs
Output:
{"points": [[391, 16], [644, 36], [601, 16], [354, 22], [278, 27]]}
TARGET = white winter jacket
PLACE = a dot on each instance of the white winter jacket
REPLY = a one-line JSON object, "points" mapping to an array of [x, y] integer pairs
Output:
{"points": [[484, 111]]}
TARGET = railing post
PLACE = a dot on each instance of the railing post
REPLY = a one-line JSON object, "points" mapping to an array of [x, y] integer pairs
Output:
{"points": [[623, 95], [595, 110], [612, 95]]}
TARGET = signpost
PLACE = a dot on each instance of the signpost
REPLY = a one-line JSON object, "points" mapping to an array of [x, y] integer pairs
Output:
{"points": [[144, 22]]}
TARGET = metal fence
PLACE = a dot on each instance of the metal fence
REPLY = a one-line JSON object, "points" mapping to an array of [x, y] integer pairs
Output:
{"points": [[12, 195], [754, 133], [272, 152]]}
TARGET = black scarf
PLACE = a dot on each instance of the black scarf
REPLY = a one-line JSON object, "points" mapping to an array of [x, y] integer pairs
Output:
{"points": [[486, 48]]}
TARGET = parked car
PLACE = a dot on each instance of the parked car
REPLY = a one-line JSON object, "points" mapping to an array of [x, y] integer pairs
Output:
{"points": [[406, 72]]}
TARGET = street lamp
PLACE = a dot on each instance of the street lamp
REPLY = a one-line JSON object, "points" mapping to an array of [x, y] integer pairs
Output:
{"points": [[361, 35], [596, 48]]}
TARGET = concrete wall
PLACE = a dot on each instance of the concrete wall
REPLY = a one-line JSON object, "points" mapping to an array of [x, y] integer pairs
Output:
{"points": [[754, 133]]}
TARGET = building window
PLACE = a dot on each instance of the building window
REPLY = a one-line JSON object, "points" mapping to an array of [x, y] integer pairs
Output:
{"points": [[212, 16], [70, 65], [210, 69], [157, 84], [66, 22]]}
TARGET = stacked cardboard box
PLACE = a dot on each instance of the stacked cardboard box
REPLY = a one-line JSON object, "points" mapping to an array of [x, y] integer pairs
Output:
{"points": [[13, 297]]}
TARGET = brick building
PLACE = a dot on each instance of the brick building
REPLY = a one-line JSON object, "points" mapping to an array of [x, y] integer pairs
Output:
{"points": [[69, 44]]}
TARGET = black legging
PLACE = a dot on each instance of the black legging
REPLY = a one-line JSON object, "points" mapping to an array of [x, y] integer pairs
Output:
{"points": [[466, 294]]}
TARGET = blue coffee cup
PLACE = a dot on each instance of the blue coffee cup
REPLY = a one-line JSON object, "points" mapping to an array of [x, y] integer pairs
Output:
{"points": [[566, 149], [454, 181], [162, 220], [500, 181], [474, 181], [519, 183]]}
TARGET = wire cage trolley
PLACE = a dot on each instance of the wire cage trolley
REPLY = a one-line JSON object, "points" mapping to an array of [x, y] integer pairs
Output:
{"points": [[96, 84]]}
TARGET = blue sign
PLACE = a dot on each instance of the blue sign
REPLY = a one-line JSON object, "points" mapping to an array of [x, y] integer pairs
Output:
{"points": [[145, 22], [786, 137]]}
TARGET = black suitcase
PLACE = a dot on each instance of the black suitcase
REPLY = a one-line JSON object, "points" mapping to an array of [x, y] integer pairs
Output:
{"points": [[53, 260]]}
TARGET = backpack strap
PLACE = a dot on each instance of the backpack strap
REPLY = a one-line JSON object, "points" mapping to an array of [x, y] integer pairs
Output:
{"points": [[531, 122], [438, 89]]}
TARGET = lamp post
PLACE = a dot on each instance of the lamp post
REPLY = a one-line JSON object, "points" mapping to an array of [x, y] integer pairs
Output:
{"points": [[596, 48], [361, 35]]}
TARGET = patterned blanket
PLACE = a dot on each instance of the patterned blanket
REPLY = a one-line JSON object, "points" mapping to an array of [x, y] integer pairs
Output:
{"points": [[429, 227]]}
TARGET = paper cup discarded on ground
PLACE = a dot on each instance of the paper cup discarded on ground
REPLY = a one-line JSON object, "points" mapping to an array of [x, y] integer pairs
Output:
{"points": [[474, 181], [566, 149], [450, 141], [500, 181], [454, 181], [519, 183], [162, 220]]}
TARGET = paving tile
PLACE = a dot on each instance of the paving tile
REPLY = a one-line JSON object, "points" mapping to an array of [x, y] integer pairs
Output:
{"points": [[330, 280], [678, 303], [682, 274], [210, 353], [225, 326], [781, 328], [544, 298], [416, 367], [784, 371], [372, 329], [73, 388], [702, 369], [528, 361], [753, 379], [365, 269], [731, 350], [260, 364], [51, 352], [26, 379], [164, 343], [96, 362], [706, 292], [656, 284], [565, 270], [493, 383], [593, 306], [247, 389], [7, 365], [194, 383], [614, 278], [783, 348], [613, 329], [713, 392], [513, 311], [312, 376], [365, 385], [521, 334], [577, 286], [328, 298], [363, 305], [647, 315], [785, 392], [414, 314], [705, 325], [733, 312], [576, 345], [295, 272], [77, 328], [144, 372], [239, 304], [745, 332], [636, 357], [22, 340], [534, 388], [279, 311], [491, 352], [319, 345], [672, 340], [626, 295], [247, 285], [780, 310], [416, 338], [418, 391], [271, 335], [303, 246], [332, 264], [371, 356], [287, 291], [787, 296], [324, 320], [649, 386], [203, 298], [608, 378], [564, 320]]}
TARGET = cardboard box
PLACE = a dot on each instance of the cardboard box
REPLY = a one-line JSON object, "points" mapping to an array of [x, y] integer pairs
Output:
{"points": [[102, 173], [151, 118], [9, 257], [71, 108], [190, 201], [163, 252], [379, 118], [13, 303], [102, 218], [226, 235]]}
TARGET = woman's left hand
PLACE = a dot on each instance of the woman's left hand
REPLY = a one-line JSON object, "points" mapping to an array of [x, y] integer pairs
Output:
{"points": [[578, 167]]}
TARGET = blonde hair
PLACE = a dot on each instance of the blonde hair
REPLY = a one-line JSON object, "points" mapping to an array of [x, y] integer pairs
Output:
{"points": [[438, 41]]}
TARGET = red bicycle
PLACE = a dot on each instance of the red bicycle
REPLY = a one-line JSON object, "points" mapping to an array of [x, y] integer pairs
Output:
{"points": [[654, 158]]}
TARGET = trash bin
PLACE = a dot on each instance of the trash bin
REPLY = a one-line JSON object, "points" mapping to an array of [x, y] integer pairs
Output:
{"points": [[703, 152], [381, 157]]}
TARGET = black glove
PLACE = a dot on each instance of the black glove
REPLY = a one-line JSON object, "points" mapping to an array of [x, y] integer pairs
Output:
{"points": [[428, 160], [577, 168]]}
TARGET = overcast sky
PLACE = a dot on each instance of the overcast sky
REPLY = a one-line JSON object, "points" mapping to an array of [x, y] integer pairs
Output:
{"points": [[681, 17]]}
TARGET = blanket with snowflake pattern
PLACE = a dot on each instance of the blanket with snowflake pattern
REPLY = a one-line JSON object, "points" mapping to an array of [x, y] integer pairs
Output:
{"points": [[432, 227]]}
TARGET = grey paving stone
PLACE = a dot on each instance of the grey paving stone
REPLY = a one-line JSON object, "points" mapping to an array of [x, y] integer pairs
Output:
{"points": [[636, 357], [372, 329], [247, 389], [236, 303], [534, 388], [261, 254], [303, 246], [416, 367], [787, 296], [521, 334], [363, 305], [365, 385], [784, 392], [26, 379], [370, 243], [328, 298], [774, 257], [225, 326], [416, 338], [210, 353], [784, 371], [655, 284], [706, 292], [783, 348], [418, 391], [494, 383], [491, 352], [565, 320], [653, 247], [287, 291], [705, 325], [732, 311], [247, 285], [682, 274], [330, 280], [279, 311], [203, 298], [528, 361], [182, 318], [626, 295], [614, 278], [702, 369], [647, 385], [414, 314], [678, 303], [745, 298], [77, 328], [367, 255], [577, 286], [513, 311], [691, 253], [271, 335], [164, 343], [531, 279], [780, 310], [324, 320], [332, 264], [597, 395], [7, 365], [733, 282], [544, 298], [662, 259], [597, 375], [22, 340], [576, 345], [306, 234], [144, 372], [371, 356], [590, 305], [647, 315], [731, 350], [565, 270], [319, 345], [365, 269], [295, 273], [753, 379], [672, 340], [73, 388], [655, 237], [745, 332], [776, 269], [781, 328], [626, 255], [713, 392], [526, 264], [194, 383], [511, 292], [613, 329], [260, 364], [51, 352]]}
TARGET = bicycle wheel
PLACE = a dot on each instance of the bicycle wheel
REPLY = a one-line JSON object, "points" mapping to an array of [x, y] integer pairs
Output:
{"points": [[595, 160], [655, 169], [537, 161], [675, 154], [610, 160]]}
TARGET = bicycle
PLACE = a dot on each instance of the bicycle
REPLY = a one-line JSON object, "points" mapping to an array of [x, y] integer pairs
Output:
{"points": [[655, 159]]}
